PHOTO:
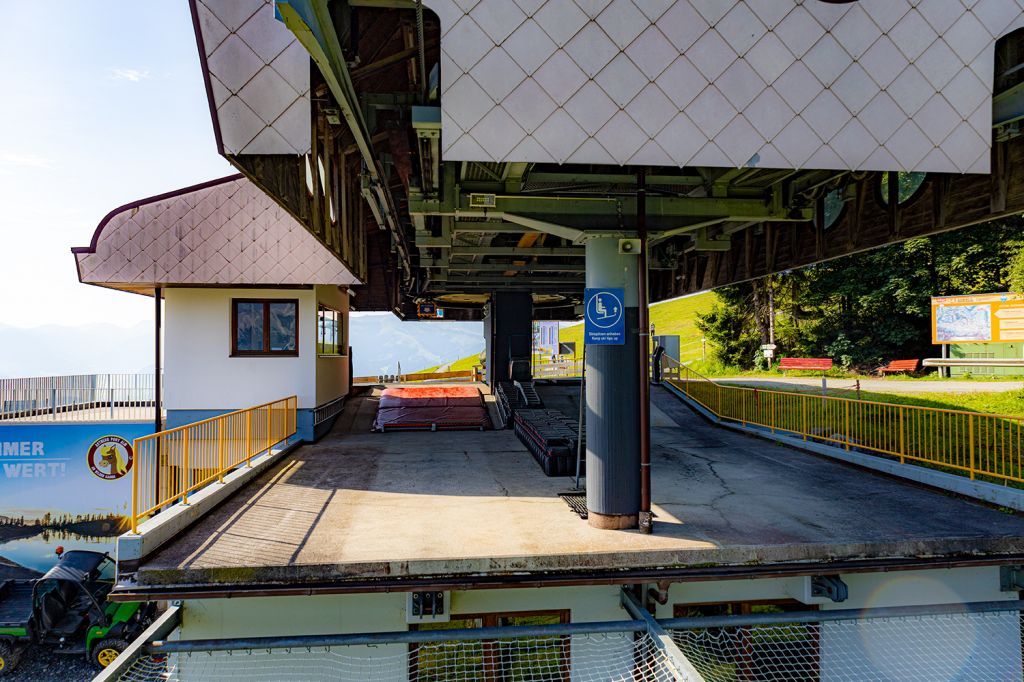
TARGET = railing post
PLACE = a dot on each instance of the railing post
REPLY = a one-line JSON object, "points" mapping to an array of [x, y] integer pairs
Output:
{"points": [[970, 430], [110, 390], [903, 436], [220, 450], [846, 419], [135, 487], [53, 403], [772, 410], [248, 438], [186, 474], [803, 416], [270, 416]]}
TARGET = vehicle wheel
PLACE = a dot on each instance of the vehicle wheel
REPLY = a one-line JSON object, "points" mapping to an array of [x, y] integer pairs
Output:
{"points": [[9, 657], [106, 650]]}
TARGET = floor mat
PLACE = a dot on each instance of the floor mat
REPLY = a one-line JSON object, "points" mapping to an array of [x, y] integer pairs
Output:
{"points": [[431, 408]]}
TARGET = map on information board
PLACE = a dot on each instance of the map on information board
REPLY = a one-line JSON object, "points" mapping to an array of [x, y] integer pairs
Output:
{"points": [[982, 318]]}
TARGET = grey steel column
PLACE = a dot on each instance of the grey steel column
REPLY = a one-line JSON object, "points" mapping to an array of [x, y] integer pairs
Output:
{"points": [[613, 400]]}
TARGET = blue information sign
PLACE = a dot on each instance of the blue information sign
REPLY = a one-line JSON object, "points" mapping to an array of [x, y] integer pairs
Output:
{"points": [[604, 319]]}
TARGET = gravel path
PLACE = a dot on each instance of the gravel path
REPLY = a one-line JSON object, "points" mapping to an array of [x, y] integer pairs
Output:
{"points": [[882, 385], [41, 665]]}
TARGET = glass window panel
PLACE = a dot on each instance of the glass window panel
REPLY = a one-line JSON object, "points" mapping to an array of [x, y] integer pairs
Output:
{"points": [[249, 332], [282, 326], [327, 331], [833, 207], [909, 183]]}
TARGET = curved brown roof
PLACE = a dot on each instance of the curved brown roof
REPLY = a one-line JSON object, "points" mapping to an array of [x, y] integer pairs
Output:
{"points": [[224, 232]]}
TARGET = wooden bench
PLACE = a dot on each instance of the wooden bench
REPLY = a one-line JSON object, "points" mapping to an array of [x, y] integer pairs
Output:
{"points": [[895, 366], [805, 364]]}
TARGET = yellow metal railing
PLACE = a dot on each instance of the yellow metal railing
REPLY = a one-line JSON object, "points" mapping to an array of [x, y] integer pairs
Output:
{"points": [[985, 446], [170, 465]]}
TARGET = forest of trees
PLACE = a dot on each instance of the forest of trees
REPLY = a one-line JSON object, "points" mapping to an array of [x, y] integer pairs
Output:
{"points": [[864, 309], [49, 520]]}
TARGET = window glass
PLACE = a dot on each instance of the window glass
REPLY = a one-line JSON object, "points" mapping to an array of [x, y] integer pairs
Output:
{"points": [[909, 183], [265, 327], [545, 659], [249, 318], [833, 205], [328, 331], [282, 326]]}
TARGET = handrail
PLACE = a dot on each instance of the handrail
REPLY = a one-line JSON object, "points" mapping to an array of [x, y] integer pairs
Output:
{"points": [[78, 398], [989, 446], [169, 465]]}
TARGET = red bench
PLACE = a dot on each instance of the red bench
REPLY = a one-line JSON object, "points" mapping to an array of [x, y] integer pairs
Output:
{"points": [[806, 364], [895, 366]]}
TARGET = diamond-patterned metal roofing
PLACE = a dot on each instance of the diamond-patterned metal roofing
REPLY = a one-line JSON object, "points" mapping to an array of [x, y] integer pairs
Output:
{"points": [[872, 85], [258, 77], [224, 233]]}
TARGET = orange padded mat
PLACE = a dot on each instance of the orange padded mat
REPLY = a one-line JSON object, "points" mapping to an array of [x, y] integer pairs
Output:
{"points": [[431, 408]]}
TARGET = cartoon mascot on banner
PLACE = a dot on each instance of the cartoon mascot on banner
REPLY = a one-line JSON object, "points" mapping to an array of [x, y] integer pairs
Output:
{"points": [[111, 457]]}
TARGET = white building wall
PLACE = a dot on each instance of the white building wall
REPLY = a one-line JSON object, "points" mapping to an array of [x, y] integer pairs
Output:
{"points": [[200, 372], [941, 648]]}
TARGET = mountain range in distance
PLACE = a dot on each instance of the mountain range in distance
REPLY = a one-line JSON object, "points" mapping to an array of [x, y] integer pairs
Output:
{"points": [[380, 341]]}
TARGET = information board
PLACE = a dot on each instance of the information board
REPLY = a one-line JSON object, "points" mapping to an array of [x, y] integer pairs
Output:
{"points": [[980, 318], [604, 319]]}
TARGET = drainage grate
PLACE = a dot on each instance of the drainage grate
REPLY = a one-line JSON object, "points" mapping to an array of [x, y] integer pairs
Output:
{"points": [[577, 502]]}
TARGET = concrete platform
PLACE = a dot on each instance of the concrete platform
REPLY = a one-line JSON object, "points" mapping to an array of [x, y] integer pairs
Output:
{"points": [[362, 506]]}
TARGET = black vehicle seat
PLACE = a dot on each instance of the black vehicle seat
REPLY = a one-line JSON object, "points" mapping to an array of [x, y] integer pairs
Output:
{"points": [[51, 610], [69, 624]]}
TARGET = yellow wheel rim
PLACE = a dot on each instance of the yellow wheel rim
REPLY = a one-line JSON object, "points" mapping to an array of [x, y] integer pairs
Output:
{"points": [[1, 662], [106, 656]]}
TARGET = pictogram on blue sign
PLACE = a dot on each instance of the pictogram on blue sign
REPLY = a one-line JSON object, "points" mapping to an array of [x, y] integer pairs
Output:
{"points": [[604, 319]]}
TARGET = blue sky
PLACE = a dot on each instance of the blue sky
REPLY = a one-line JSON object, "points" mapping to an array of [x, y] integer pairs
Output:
{"points": [[101, 103]]}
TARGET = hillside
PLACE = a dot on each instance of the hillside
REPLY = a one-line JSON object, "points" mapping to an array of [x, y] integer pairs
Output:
{"points": [[673, 317], [677, 316]]}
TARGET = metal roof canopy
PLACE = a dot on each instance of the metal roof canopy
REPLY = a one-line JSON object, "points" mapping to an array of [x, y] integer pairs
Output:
{"points": [[433, 226]]}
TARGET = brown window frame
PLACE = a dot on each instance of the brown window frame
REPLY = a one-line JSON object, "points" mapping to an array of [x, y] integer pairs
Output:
{"points": [[490, 620], [339, 342], [265, 352], [744, 608]]}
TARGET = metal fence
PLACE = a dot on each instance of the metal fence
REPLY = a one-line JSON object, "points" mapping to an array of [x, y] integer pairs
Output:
{"points": [[473, 374], [172, 464], [78, 397], [965, 642], [982, 446], [560, 369], [960, 642]]}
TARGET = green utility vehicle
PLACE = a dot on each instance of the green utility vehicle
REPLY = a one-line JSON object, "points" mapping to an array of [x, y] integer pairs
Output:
{"points": [[66, 610]]}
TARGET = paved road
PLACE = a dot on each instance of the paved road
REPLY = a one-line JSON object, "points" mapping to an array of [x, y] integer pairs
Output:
{"points": [[882, 385]]}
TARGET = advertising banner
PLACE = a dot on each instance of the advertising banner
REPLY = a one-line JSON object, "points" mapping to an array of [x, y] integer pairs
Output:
{"points": [[981, 318], [62, 484]]}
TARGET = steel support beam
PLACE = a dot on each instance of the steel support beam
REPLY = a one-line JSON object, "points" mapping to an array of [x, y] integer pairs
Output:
{"points": [[530, 206], [682, 669], [508, 267], [524, 252], [520, 280], [310, 21]]}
